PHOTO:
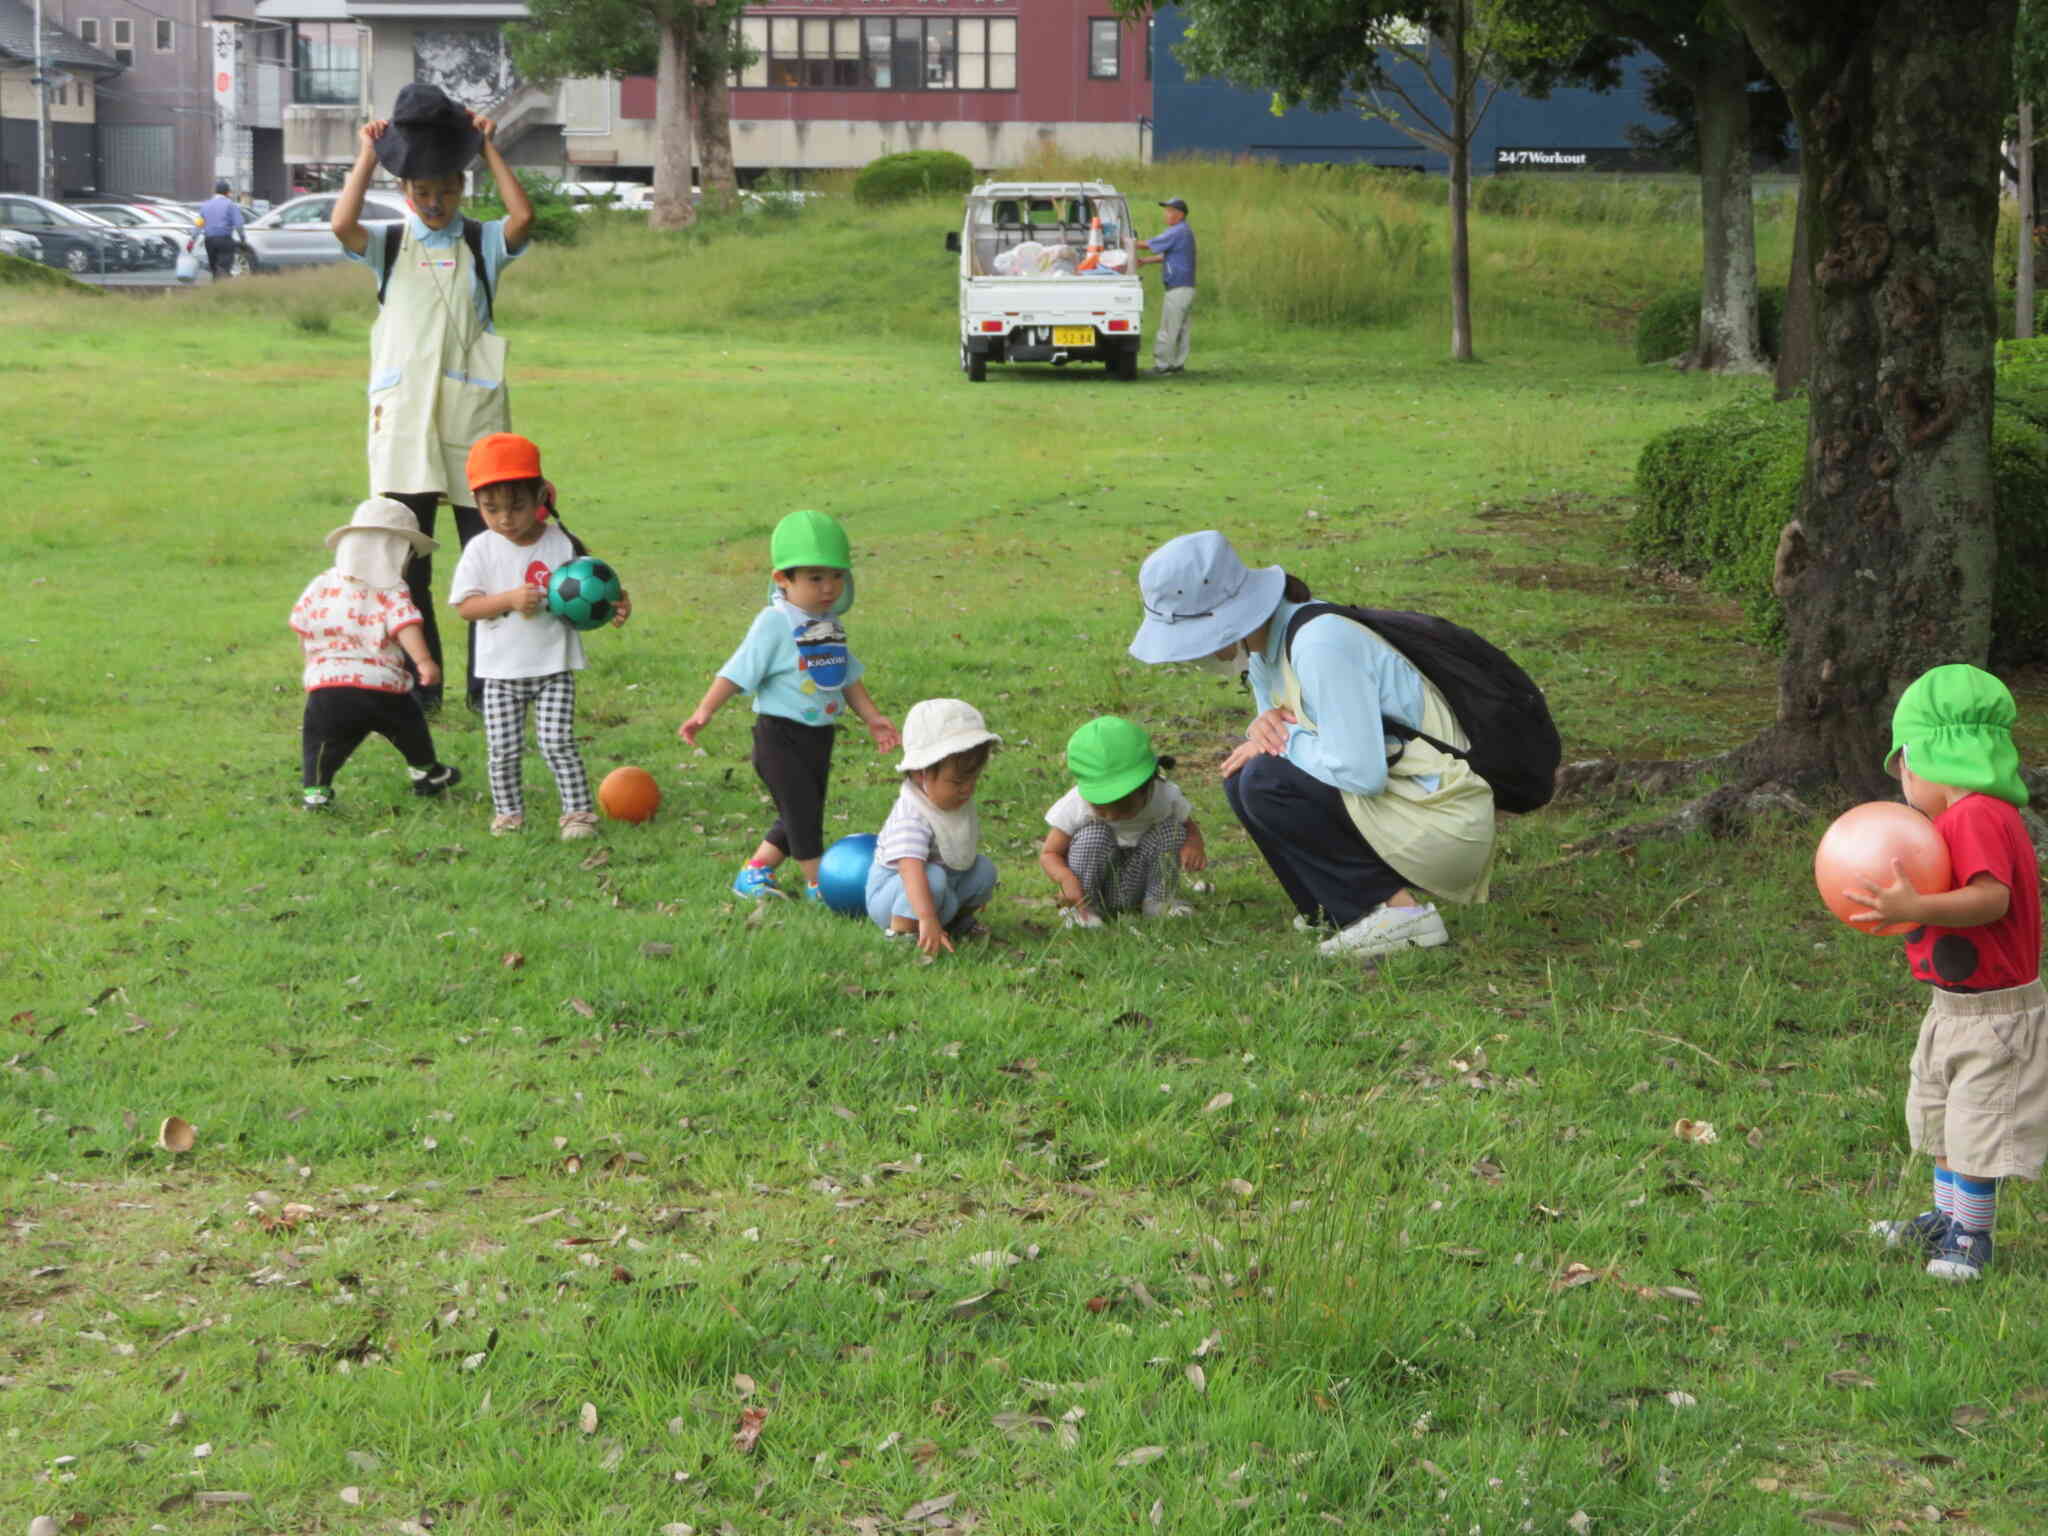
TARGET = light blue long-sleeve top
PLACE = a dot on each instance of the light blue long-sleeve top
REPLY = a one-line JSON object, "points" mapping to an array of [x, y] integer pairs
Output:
{"points": [[1350, 678]]}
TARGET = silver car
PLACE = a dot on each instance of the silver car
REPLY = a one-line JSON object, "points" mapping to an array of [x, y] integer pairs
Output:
{"points": [[162, 235], [19, 242], [296, 234]]}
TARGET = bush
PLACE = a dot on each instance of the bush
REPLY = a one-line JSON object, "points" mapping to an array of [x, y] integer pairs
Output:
{"points": [[1712, 498], [915, 173], [1670, 324], [15, 272], [555, 219]]}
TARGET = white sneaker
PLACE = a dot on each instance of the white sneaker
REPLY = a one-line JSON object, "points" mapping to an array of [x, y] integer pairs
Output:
{"points": [[1386, 929], [1167, 906]]}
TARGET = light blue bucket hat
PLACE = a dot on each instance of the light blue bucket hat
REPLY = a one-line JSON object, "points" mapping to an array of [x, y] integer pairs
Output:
{"points": [[1199, 596]]}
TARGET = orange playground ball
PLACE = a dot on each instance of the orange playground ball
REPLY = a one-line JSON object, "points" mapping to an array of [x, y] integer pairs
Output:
{"points": [[1859, 848], [629, 794]]}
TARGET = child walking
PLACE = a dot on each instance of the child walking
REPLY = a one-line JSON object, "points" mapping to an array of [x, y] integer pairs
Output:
{"points": [[525, 654], [795, 662], [1122, 835], [930, 877], [357, 625], [1977, 1099], [437, 367]]}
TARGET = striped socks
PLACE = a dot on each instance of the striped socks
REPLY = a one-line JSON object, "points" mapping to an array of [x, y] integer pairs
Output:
{"points": [[1974, 1201]]}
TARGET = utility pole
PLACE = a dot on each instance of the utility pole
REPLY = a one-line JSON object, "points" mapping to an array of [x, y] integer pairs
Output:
{"points": [[42, 85]]}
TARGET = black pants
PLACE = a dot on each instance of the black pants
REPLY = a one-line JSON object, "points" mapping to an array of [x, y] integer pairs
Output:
{"points": [[1310, 841], [338, 719], [220, 252], [795, 762]]}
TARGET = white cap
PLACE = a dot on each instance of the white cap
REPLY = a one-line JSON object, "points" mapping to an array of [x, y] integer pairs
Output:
{"points": [[935, 729]]}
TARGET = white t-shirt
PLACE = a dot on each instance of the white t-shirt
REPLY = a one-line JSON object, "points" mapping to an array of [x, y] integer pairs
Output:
{"points": [[349, 630], [1070, 813], [518, 644]]}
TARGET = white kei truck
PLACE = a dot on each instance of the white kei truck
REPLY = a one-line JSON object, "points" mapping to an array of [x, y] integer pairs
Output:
{"points": [[1048, 274]]}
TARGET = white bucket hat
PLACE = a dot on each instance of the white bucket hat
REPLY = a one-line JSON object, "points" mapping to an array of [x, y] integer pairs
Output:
{"points": [[935, 729], [380, 514], [1199, 596]]}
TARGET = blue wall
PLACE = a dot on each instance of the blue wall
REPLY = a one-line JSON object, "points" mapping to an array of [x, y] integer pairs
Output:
{"points": [[1211, 117]]}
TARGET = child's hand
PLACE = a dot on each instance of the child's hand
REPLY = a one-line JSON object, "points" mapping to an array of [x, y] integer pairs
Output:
{"points": [[527, 600], [429, 671], [372, 131], [689, 728], [882, 732], [1896, 902], [932, 936], [622, 610], [484, 126], [1194, 857]]}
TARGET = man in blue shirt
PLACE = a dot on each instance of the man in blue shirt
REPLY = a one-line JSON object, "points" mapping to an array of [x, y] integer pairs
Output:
{"points": [[223, 227], [1175, 246]]}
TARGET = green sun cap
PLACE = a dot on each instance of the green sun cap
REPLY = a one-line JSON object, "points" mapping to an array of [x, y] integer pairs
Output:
{"points": [[1109, 757], [1955, 725], [809, 538]]}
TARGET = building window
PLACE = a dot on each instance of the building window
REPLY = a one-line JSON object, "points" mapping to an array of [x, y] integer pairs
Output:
{"points": [[124, 41], [326, 64], [1105, 49], [163, 36], [877, 53], [89, 32]]}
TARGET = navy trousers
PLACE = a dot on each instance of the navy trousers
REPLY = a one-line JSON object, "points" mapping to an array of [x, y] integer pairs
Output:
{"points": [[1309, 840]]}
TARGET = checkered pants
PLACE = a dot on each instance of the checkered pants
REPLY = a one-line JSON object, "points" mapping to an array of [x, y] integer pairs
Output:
{"points": [[554, 725], [1118, 879]]}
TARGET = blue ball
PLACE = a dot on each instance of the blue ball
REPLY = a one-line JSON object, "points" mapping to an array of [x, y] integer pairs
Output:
{"points": [[843, 874]]}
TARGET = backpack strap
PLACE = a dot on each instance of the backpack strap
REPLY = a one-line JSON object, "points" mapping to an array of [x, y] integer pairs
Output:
{"points": [[393, 235], [1400, 731], [472, 236]]}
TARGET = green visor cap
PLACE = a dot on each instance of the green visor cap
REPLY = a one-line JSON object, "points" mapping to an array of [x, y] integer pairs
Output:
{"points": [[809, 538], [1955, 725], [1109, 757]]}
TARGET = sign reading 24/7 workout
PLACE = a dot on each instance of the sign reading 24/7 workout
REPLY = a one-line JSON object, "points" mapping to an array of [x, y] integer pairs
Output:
{"points": [[1526, 157]]}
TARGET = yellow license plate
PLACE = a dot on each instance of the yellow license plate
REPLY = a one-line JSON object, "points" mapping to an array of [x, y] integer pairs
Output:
{"points": [[1073, 335]]}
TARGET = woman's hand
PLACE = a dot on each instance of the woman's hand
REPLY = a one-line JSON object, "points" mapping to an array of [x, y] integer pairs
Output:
{"points": [[1240, 754], [1268, 732]]}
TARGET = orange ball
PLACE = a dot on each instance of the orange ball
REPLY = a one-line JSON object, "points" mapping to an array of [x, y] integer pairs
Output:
{"points": [[1859, 848], [629, 794]]}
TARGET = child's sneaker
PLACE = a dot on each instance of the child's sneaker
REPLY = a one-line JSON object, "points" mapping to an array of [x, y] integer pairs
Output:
{"points": [[508, 823], [755, 881], [1926, 1232], [1964, 1255], [1167, 906], [814, 892], [317, 800], [577, 824], [436, 779]]}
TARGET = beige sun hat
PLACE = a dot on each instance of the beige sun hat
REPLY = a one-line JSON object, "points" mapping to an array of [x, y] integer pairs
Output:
{"points": [[935, 729], [380, 514]]}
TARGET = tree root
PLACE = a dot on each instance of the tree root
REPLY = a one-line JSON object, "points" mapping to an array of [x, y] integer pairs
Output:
{"points": [[1727, 812]]}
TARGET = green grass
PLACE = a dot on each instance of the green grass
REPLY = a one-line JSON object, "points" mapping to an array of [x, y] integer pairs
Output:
{"points": [[574, 1128]]}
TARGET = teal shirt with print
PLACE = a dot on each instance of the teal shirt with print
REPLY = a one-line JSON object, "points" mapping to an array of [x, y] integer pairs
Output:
{"points": [[795, 664]]}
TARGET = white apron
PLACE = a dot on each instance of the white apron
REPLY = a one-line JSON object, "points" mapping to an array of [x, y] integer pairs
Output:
{"points": [[1438, 840], [437, 377]]}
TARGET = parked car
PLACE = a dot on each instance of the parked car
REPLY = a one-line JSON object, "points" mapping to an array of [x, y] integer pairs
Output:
{"points": [[76, 241], [19, 242], [295, 234], [629, 196], [161, 235]]}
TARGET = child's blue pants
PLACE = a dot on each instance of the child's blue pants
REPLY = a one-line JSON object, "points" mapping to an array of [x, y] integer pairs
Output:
{"points": [[954, 891]]}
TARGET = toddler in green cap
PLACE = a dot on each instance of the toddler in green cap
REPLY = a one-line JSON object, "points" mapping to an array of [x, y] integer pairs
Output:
{"points": [[796, 664], [1977, 1096], [1122, 835]]}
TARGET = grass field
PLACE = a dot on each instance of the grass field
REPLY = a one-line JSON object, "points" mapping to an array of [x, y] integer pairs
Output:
{"points": [[540, 1187]]}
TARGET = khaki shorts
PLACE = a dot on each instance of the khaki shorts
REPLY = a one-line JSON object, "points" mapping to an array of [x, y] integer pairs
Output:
{"points": [[1978, 1098]]}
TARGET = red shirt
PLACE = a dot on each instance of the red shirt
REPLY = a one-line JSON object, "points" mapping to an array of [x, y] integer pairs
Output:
{"points": [[1985, 836]]}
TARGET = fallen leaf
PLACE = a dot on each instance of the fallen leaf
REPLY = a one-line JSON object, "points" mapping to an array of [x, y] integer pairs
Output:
{"points": [[1198, 1378], [1968, 1414], [1580, 1523], [351, 1494], [1574, 1274], [677, 1528], [217, 1497], [994, 1258], [1765, 1484], [1831, 1520], [969, 1306], [926, 1508], [512, 960], [42, 1525], [1699, 1132], [1850, 1379], [1222, 1100], [583, 1008], [1141, 1455], [176, 1135], [1681, 1400], [1242, 1188], [202, 1450], [654, 950], [1158, 1513], [749, 1433], [614, 1453], [744, 1384], [587, 1418], [476, 1361]]}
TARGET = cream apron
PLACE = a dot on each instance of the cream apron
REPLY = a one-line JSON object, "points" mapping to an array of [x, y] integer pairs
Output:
{"points": [[1438, 840], [437, 377]]}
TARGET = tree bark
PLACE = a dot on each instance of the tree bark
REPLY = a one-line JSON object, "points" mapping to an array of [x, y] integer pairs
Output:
{"points": [[714, 138], [673, 157], [1888, 568], [1728, 340], [1795, 328], [1461, 186], [2023, 300]]}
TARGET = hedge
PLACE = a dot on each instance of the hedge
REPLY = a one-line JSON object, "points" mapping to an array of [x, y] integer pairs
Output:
{"points": [[1712, 498], [1670, 324], [914, 173], [555, 219]]}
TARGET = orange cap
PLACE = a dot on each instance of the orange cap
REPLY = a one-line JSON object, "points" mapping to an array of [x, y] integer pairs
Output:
{"points": [[502, 456]]}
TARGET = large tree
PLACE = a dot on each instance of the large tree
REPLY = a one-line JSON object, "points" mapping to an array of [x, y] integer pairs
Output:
{"points": [[683, 43], [1888, 568]]}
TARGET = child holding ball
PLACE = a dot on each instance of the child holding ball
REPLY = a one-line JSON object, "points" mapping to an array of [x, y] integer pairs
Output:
{"points": [[796, 664], [1977, 1099], [1122, 835], [525, 654], [930, 877]]}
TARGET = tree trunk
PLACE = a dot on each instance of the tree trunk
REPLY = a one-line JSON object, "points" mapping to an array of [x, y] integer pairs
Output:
{"points": [[1888, 568], [673, 160], [2023, 300], [714, 139], [1728, 341], [1461, 187], [1795, 327]]}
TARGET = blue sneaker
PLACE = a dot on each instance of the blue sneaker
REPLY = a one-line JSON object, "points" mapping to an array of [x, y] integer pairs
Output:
{"points": [[1925, 1232], [755, 881], [1964, 1255]]}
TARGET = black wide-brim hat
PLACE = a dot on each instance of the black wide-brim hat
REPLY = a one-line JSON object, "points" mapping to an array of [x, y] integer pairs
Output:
{"points": [[430, 135]]}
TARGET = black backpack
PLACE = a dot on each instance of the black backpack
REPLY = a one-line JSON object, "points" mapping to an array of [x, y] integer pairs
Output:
{"points": [[472, 236], [1515, 746]]}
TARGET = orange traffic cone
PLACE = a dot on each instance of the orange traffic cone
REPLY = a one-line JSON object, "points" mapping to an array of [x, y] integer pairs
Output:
{"points": [[1093, 256]]}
